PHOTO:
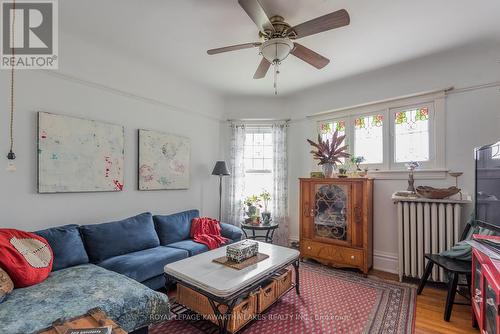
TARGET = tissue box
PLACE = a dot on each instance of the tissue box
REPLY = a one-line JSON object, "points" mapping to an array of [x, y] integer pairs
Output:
{"points": [[241, 251]]}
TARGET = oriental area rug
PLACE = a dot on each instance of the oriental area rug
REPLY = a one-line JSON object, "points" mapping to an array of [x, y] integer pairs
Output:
{"points": [[331, 301]]}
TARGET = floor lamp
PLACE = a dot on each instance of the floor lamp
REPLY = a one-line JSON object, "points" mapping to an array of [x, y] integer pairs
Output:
{"points": [[220, 169]]}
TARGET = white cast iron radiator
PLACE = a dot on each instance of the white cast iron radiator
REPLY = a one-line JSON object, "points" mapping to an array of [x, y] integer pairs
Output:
{"points": [[426, 226]]}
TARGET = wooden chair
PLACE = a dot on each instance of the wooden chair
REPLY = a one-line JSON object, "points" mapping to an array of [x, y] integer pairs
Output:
{"points": [[453, 268]]}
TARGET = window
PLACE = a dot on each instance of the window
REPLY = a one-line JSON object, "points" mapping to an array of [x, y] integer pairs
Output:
{"points": [[369, 138], [390, 133], [258, 157], [327, 129], [411, 135]]}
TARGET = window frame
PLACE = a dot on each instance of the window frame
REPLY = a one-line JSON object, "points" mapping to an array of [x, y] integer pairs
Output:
{"points": [[429, 164], [385, 138], [254, 130], [435, 101]]}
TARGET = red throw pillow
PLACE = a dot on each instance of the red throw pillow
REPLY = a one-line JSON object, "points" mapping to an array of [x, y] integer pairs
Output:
{"points": [[26, 257]]}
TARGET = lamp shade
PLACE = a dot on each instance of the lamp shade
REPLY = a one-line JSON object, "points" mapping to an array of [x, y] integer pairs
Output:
{"points": [[220, 168]]}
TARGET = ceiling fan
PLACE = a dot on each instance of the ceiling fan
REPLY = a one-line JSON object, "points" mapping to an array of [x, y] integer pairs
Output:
{"points": [[277, 38]]}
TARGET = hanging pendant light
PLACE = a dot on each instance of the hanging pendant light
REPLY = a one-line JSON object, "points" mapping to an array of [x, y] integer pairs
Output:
{"points": [[11, 156]]}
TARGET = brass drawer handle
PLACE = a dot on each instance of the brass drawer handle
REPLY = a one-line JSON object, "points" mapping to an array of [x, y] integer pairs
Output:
{"points": [[352, 257]]}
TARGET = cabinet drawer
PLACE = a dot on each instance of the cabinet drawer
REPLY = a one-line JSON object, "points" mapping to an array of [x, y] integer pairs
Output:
{"points": [[339, 254]]}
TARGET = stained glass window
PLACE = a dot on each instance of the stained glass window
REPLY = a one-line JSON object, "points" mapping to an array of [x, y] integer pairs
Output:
{"points": [[327, 129], [411, 135], [369, 138]]}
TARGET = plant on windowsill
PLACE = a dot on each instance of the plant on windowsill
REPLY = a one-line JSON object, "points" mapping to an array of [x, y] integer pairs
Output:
{"points": [[253, 208], [329, 153], [265, 196]]}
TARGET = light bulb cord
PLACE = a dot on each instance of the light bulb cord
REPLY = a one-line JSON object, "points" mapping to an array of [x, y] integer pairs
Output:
{"points": [[11, 124]]}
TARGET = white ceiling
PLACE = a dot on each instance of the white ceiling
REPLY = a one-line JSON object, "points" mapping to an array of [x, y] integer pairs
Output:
{"points": [[174, 35]]}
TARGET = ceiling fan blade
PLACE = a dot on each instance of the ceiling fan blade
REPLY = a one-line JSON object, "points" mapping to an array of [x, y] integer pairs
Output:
{"points": [[262, 69], [326, 22], [233, 48], [254, 9], [309, 56]]}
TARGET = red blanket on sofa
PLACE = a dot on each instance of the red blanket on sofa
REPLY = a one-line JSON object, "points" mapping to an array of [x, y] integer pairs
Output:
{"points": [[207, 231]]}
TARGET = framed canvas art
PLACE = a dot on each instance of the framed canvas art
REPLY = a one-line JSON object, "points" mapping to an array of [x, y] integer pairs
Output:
{"points": [[164, 161], [79, 155]]}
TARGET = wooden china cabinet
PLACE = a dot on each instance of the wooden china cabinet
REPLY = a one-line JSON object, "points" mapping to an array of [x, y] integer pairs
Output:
{"points": [[336, 221], [486, 284]]}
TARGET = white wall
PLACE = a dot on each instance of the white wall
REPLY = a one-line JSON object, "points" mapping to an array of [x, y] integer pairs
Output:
{"points": [[96, 84], [473, 119]]}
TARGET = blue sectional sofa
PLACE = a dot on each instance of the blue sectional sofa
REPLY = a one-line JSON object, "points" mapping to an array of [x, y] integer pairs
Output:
{"points": [[103, 265]]}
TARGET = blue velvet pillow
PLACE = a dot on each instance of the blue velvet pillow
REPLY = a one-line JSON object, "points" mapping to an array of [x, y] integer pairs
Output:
{"points": [[176, 227], [103, 241], [67, 245]]}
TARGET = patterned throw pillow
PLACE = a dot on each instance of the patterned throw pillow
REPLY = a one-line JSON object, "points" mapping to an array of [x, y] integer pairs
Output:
{"points": [[26, 257], [6, 285]]}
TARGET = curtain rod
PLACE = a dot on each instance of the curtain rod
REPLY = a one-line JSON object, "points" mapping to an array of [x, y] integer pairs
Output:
{"points": [[258, 120], [322, 113]]}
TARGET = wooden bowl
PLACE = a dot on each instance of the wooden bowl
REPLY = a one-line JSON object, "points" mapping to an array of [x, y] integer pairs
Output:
{"points": [[436, 193]]}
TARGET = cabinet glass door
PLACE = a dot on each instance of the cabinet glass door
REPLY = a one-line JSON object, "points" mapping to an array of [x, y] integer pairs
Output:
{"points": [[490, 309], [331, 212]]}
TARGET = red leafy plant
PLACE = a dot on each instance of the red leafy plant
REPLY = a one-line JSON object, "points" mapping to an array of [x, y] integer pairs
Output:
{"points": [[329, 152]]}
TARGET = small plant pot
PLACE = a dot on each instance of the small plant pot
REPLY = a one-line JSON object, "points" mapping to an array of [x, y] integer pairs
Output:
{"points": [[266, 218]]}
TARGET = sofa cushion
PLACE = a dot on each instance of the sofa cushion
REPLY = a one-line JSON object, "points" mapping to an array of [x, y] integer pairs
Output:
{"points": [[71, 292], [156, 282], [231, 232], [175, 227], [67, 245], [103, 241], [189, 245], [145, 264]]}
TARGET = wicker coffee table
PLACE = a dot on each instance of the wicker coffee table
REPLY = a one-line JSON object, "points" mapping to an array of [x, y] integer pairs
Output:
{"points": [[224, 286]]}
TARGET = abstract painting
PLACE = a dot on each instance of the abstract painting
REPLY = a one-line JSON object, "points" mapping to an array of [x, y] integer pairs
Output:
{"points": [[79, 155], [164, 160]]}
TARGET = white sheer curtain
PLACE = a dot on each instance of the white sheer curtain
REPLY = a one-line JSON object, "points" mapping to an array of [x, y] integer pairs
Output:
{"points": [[236, 184], [280, 184]]}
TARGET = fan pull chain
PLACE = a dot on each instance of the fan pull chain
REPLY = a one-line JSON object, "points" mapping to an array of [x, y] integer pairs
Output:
{"points": [[276, 72]]}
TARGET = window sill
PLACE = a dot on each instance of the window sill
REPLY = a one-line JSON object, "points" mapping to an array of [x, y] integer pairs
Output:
{"points": [[423, 174]]}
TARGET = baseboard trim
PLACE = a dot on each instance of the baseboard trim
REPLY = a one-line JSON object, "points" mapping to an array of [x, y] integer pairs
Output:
{"points": [[385, 261]]}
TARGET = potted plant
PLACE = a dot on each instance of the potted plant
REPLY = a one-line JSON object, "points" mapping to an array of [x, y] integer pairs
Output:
{"points": [[343, 170], [253, 205], [357, 161], [329, 153], [265, 196]]}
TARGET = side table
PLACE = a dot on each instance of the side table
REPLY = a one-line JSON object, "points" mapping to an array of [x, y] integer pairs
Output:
{"points": [[270, 228]]}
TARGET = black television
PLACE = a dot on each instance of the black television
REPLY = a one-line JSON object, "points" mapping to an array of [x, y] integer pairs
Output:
{"points": [[487, 197]]}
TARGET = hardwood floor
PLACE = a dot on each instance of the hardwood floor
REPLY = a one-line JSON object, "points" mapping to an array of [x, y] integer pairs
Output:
{"points": [[430, 308]]}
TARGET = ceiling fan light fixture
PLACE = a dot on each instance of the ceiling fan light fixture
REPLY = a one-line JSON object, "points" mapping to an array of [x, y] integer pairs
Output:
{"points": [[276, 49]]}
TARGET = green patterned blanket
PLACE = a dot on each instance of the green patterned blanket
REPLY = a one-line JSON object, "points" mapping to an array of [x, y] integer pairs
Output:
{"points": [[71, 292]]}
